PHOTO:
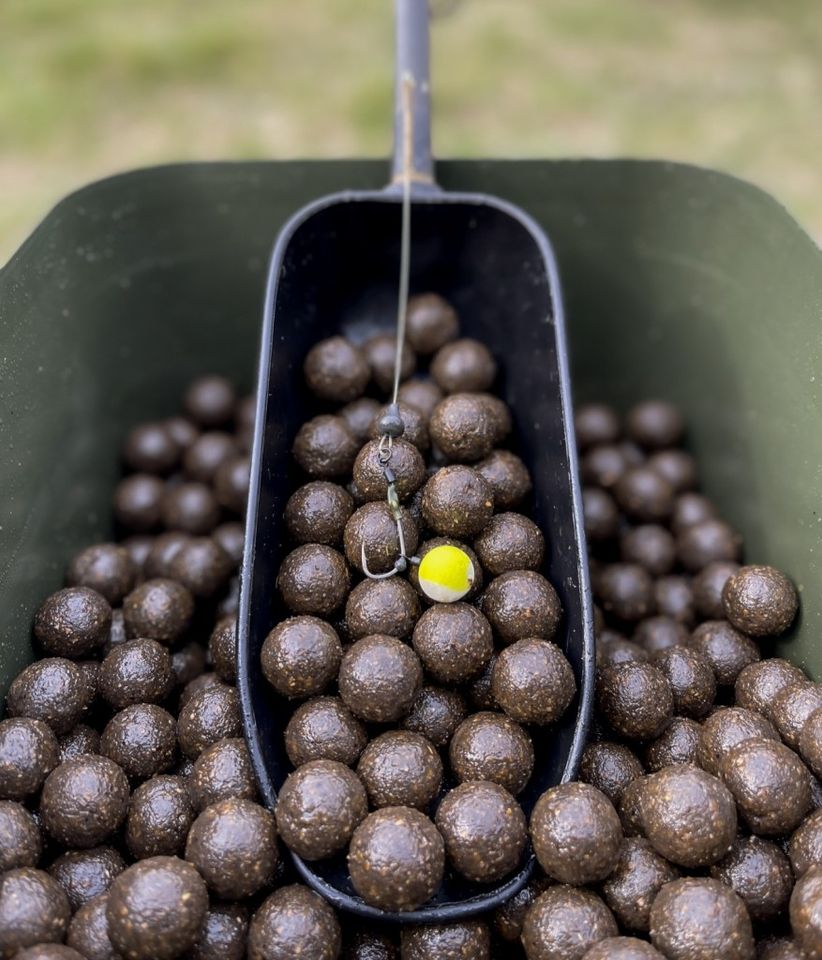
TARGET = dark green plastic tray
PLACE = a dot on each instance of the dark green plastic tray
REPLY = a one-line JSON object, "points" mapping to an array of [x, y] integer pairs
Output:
{"points": [[679, 282]]}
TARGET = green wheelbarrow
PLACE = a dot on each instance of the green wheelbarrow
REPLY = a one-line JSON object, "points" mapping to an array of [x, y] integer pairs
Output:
{"points": [[679, 282]]}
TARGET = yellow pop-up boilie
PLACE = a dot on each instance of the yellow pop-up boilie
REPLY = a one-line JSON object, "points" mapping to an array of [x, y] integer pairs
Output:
{"points": [[446, 574]]}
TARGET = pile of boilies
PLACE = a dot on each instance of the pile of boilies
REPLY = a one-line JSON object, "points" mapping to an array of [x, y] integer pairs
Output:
{"points": [[130, 824], [426, 695]]}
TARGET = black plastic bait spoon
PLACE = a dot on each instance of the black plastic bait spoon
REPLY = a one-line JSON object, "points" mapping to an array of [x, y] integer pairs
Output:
{"points": [[334, 270]]}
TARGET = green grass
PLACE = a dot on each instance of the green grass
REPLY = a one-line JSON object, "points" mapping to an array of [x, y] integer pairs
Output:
{"points": [[88, 87]]}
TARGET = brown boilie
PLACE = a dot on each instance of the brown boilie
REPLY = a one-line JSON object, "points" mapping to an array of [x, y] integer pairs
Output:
{"points": [[221, 771], [484, 830], [294, 922], [155, 909], [301, 656], [335, 369], [209, 716], [638, 876], [33, 910], [564, 922], [635, 699], [233, 845], [576, 834], [609, 767], [436, 713], [453, 641], [52, 690], [84, 801], [396, 859], [522, 604], [400, 768], [20, 840], [141, 739], [159, 817], [758, 872], [325, 448], [382, 606], [314, 579], [379, 678], [28, 753], [533, 681], [324, 729], [317, 512], [491, 746], [697, 918], [688, 815], [85, 874], [318, 807]]}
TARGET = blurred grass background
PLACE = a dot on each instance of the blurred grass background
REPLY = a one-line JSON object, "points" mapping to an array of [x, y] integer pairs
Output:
{"points": [[90, 87]]}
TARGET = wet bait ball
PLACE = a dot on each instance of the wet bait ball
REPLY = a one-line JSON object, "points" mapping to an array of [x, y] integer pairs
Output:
{"points": [[609, 767], [484, 830], [20, 841], [724, 729], [325, 447], [85, 874], [511, 541], [336, 370], [142, 739], [533, 682], [318, 807], [159, 817], [379, 678], [463, 427], [436, 713], [382, 606], [564, 923], [507, 476], [701, 919], [430, 323], [454, 641], [688, 815], [318, 512], [727, 650], [639, 875], [28, 753], [400, 769], [301, 656], [159, 609], [138, 671], [457, 502], [760, 601], [490, 746], [33, 909], [105, 568], [635, 699], [221, 771], [468, 939], [233, 845], [52, 690], [374, 528], [406, 462], [294, 922], [396, 859], [314, 579], [522, 604], [576, 833], [758, 872], [210, 715], [770, 784], [84, 801], [156, 909], [324, 729], [464, 365]]}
